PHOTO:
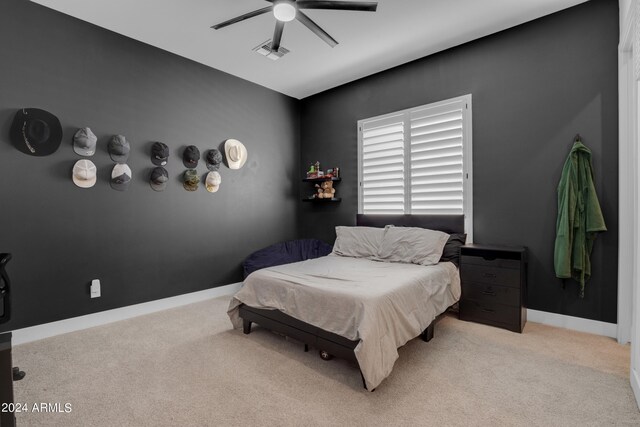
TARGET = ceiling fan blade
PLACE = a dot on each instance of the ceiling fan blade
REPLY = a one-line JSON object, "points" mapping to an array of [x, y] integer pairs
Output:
{"points": [[277, 36], [243, 17], [363, 6], [316, 29]]}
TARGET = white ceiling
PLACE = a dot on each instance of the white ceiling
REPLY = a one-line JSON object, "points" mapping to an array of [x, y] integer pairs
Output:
{"points": [[400, 31]]}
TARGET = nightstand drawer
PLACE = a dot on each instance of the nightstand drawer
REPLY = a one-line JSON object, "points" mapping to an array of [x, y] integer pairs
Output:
{"points": [[491, 293], [491, 313], [490, 275], [490, 261]]}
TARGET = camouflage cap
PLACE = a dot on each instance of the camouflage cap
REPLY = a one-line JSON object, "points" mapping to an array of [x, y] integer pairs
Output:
{"points": [[191, 180]]}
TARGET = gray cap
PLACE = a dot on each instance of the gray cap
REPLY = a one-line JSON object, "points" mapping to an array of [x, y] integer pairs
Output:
{"points": [[120, 177], [119, 149], [213, 160], [159, 178], [84, 142]]}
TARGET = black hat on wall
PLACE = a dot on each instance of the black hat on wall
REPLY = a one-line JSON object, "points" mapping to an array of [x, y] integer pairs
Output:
{"points": [[36, 132], [159, 154], [190, 157], [159, 178]]}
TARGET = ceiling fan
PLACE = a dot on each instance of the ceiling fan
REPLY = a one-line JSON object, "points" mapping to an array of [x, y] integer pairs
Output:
{"points": [[288, 10]]}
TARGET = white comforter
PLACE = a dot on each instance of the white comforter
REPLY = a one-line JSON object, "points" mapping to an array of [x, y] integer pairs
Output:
{"points": [[382, 304]]}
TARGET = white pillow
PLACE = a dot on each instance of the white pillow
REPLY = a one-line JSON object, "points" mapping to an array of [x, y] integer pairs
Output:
{"points": [[359, 242], [412, 245]]}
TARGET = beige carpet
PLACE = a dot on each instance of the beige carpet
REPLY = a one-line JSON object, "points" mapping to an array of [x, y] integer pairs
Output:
{"points": [[187, 367]]}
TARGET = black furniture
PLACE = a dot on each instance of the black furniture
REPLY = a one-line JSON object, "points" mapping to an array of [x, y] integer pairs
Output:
{"points": [[494, 285], [329, 343], [7, 418], [285, 253], [5, 285]]}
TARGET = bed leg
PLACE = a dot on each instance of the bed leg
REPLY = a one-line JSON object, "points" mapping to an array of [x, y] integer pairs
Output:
{"points": [[427, 335], [246, 326], [306, 348]]}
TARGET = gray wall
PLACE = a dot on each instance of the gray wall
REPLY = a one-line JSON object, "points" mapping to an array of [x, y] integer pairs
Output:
{"points": [[143, 245], [534, 87]]}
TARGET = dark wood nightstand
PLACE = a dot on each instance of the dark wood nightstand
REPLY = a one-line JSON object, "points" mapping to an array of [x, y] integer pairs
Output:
{"points": [[494, 285]]}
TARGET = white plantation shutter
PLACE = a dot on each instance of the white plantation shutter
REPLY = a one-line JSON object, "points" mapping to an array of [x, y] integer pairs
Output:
{"points": [[417, 161], [382, 166], [437, 160]]}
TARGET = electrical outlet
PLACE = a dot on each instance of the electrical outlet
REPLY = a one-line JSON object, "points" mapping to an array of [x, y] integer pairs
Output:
{"points": [[95, 288]]}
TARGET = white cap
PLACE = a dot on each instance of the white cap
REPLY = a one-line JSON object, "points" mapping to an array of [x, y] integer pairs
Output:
{"points": [[213, 181], [236, 153], [84, 174]]}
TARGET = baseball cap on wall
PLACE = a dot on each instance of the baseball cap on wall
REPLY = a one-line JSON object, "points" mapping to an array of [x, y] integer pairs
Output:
{"points": [[190, 157], [84, 142], [191, 180], [36, 132], [213, 159], [119, 148], [159, 154], [120, 177], [212, 182], [159, 178], [84, 174]]}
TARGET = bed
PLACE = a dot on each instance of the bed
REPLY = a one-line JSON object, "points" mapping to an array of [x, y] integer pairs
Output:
{"points": [[353, 308]]}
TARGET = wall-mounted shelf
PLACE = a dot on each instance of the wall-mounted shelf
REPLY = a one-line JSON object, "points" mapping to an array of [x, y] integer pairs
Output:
{"points": [[318, 200], [321, 179], [318, 181]]}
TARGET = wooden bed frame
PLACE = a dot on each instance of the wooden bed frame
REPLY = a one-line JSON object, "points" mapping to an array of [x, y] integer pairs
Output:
{"points": [[329, 343]]}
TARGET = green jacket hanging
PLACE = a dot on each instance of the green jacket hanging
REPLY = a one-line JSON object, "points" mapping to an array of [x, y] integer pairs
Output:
{"points": [[579, 217]]}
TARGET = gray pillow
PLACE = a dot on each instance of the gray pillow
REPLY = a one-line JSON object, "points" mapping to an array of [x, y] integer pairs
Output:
{"points": [[451, 251], [412, 245], [359, 242]]}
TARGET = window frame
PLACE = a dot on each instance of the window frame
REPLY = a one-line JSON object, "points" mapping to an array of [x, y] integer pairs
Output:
{"points": [[467, 155]]}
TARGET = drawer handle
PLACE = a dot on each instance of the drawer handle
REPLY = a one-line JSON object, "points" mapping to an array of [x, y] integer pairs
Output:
{"points": [[489, 275], [488, 310], [493, 294]]}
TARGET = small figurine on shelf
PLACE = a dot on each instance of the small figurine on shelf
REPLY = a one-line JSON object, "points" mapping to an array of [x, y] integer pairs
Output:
{"points": [[325, 190], [317, 165], [312, 172]]}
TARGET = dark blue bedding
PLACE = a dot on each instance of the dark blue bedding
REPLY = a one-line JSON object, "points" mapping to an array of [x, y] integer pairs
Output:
{"points": [[285, 253]]}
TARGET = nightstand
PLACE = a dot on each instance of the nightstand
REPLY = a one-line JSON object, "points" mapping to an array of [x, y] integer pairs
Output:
{"points": [[494, 285]]}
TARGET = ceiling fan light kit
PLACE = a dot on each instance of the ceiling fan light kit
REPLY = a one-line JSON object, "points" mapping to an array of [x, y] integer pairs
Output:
{"points": [[284, 10], [288, 10]]}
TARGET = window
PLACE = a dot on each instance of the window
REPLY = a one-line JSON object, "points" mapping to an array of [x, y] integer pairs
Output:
{"points": [[417, 161]]}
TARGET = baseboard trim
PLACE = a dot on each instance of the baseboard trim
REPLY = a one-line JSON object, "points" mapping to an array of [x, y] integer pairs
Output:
{"points": [[635, 385], [574, 323], [46, 330]]}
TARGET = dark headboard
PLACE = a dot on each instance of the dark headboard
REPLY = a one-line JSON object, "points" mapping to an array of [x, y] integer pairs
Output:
{"points": [[447, 223]]}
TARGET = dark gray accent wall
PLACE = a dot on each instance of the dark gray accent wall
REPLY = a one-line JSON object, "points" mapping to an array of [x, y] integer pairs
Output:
{"points": [[143, 245], [534, 87]]}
